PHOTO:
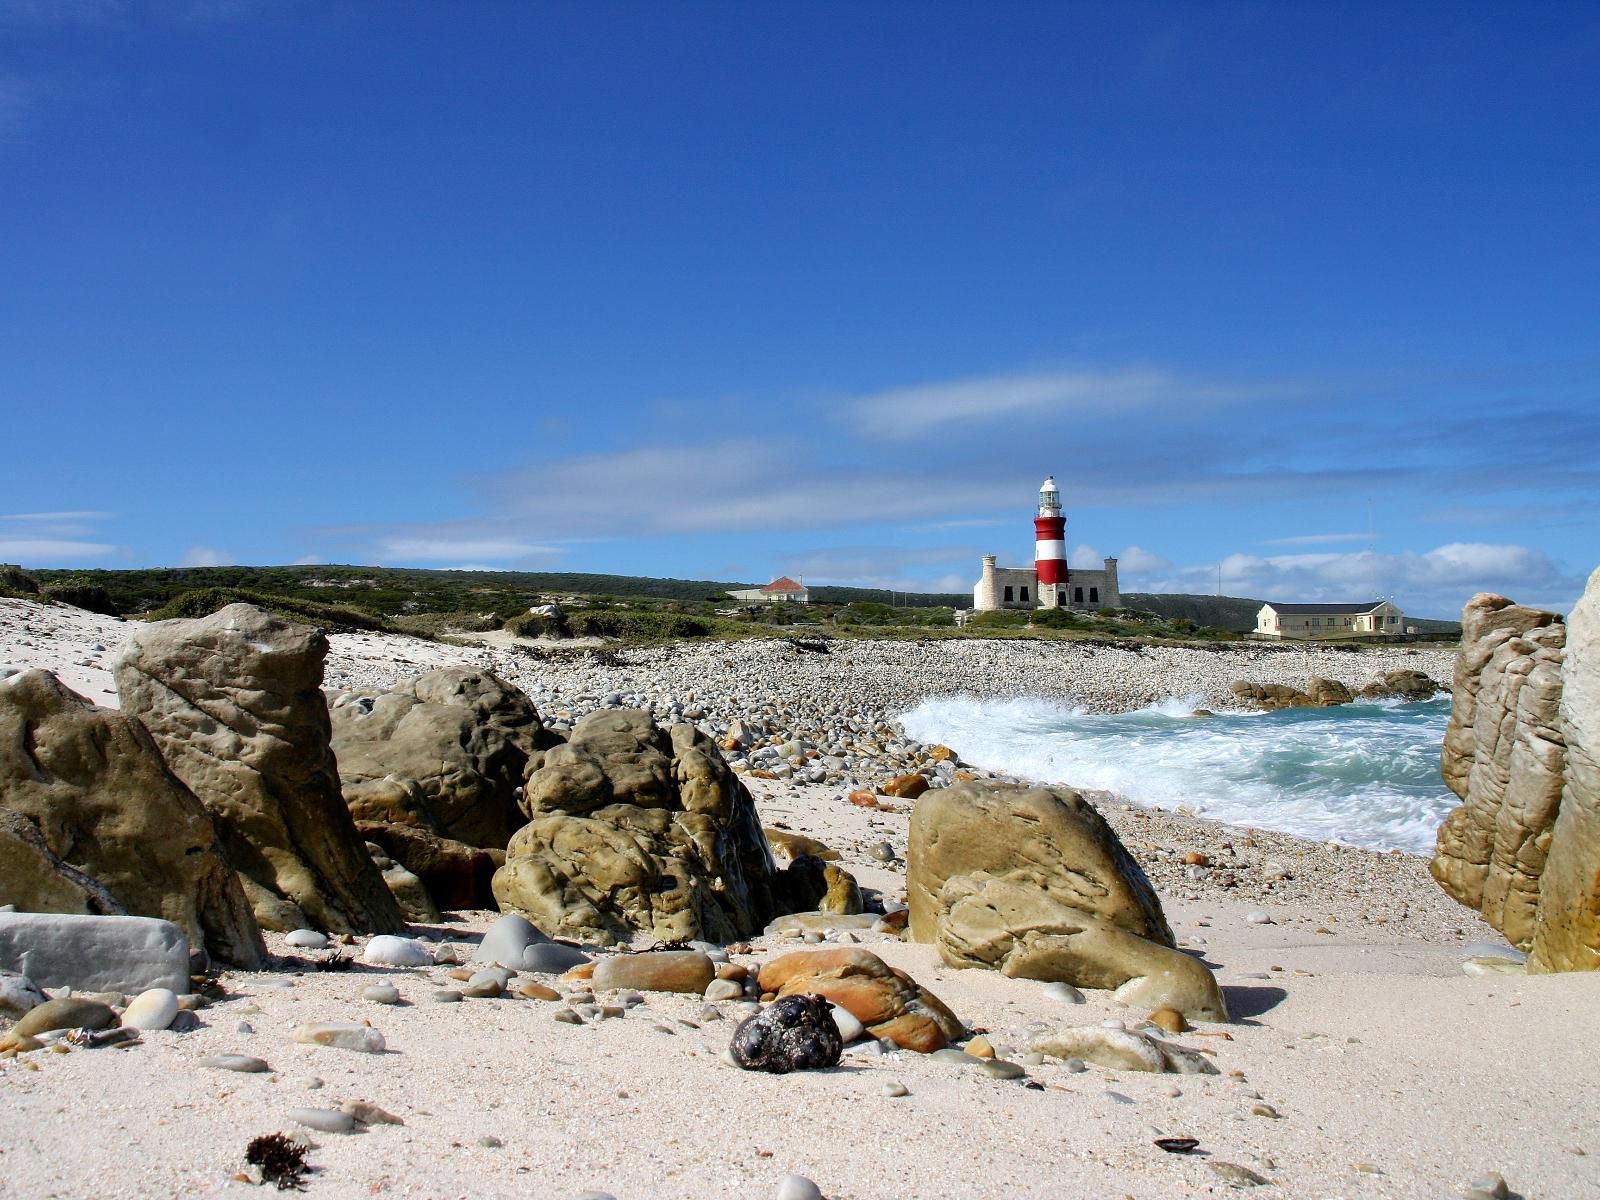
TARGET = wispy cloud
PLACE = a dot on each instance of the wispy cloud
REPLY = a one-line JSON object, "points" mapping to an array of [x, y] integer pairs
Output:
{"points": [[207, 556], [40, 551], [460, 550], [908, 412], [1317, 539], [83, 515]]}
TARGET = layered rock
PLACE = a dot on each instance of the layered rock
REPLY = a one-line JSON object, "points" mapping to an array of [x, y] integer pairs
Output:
{"points": [[1567, 932], [1505, 756], [92, 784], [1032, 882], [1523, 752], [637, 827], [444, 752], [234, 703]]}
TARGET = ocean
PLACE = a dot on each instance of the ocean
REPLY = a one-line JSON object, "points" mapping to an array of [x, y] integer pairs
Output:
{"points": [[1363, 774]]}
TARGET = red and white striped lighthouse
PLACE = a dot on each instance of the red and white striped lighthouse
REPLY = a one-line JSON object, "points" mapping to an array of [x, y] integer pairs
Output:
{"points": [[1050, 537]]}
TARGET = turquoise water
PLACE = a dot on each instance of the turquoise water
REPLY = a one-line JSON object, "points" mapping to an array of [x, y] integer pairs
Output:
{"points": [[1361, 774]]}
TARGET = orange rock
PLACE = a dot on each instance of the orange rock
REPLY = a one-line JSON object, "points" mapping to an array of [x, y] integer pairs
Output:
{"points": [[876, 994], [734, 971], [1196, 859], [940, 753], [965, 777], [1169, 1019], [537, 991], [912, 1032], [582, 971], [906, 787], [980, 1047], [862, 798]]}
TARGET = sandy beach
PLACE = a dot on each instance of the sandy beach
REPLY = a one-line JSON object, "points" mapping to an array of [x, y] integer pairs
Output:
{"points": [[1362, 1060]]}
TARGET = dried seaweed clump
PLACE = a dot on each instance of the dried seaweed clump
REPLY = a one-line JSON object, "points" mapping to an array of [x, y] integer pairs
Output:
{"points": [[280, 1159]]}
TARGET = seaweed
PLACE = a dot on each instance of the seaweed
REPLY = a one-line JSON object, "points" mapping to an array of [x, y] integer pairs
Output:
{"points": [[280, 1159]]}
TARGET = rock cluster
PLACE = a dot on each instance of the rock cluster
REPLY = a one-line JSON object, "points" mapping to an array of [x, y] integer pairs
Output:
{"points": [[887, 1001], [1033, 883], [87, 787], [633, 827], [1522, 750], [234, 703], [445, 752]]}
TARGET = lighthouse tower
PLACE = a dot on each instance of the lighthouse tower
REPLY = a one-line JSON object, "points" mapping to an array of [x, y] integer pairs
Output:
{"points": [[1050, 544]]}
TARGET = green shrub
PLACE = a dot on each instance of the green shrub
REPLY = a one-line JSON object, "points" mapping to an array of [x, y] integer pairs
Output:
{"points": [[202, 602], [638, 625], [90, 596], [17, 583], [998, 618]]}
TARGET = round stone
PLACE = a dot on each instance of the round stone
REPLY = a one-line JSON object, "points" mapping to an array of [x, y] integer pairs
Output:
{"points": [[446, 996], [797, 1187], [894, 1089], [1062, 993], [307, 939], [152, 1009], [244, 1063], [381, 993], [724, 989], [849, 1028], [1258, 917], [387, 950], [323, 1120]]}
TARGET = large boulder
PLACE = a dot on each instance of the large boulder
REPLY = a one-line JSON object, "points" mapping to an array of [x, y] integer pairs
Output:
{"points": [[1567, 931], [92, 783], [446, 752], [1319, 693], [234, 702], [885, 999], [455, 874], [1401, 685], [1505, 756], [1032, 882], [95, 954], [636, 827]]}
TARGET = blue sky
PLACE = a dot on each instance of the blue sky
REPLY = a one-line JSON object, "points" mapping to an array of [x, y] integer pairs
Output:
{"points": [[726, 291]]}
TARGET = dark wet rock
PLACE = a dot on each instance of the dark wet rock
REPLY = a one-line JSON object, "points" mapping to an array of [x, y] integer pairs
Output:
{"points": [[794, 1033]]}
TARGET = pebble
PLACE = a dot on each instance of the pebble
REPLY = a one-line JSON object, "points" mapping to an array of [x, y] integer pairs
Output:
{"points": [[894, 1089], [1258, 917], [244, 1027], [341, 1035], [307, 939], [883, 852], [151, 1009], [999, 1068], [537, 991], [849, 1027], [1168, 1019], [951, 1055], [369, 1114], [381, 993], [1488, 1186], [500, 976], [323, 1120], [446, 996], [980, 1047], [387, 950], [248, 1064], [797, 1187], [1117, 1097], [1063, 993], [1265, 1110], [724, 989], [568, 1017], [490, 1142], [1076, 1065]]}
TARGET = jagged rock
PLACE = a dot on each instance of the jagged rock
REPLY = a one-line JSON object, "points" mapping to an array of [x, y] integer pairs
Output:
{"points": [[408, 891], [455, 874], [1319, 693], [1017, 929], [636, 827], [35, 879], [1505, 756], [1401, 685], [1567, 929], [445, 752], [235, 705], [886, 1000], [92, 782], [1032, 882], [810, 885]]}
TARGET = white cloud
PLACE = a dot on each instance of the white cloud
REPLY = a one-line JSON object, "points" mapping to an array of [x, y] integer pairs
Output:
{"points": [[307, 560], [55, 516], [206, 556], [1086, 557], [40, 550], [459, 550], [906, 412], [1136, 560]]}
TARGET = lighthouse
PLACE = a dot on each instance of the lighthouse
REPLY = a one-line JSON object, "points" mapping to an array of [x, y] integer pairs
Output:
{"points": [[1050, 539]]}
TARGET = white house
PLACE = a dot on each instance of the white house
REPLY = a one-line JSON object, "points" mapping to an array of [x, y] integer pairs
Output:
{"points": [[782, 590], [1304, 621]]}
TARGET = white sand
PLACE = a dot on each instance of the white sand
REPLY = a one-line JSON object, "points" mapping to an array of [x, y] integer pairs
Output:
{"points": [[1377, 1051]]}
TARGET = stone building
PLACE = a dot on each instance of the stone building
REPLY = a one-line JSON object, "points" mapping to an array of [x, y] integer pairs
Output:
{"points": [[1364, 618], [1049, 583]]}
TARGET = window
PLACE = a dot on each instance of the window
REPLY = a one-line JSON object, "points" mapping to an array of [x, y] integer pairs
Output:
{"points": [[1077, 595], [1061, 599], [1024, 594], [1008, 594], [1094, 595], [1314, 620]]}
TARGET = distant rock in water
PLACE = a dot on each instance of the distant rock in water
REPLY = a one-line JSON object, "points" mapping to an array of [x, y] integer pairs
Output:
{"points": [[1319, 693], [1032, 882], [87, 786], [633, 826], [234, 702], [446, 752], [1522, 750]]}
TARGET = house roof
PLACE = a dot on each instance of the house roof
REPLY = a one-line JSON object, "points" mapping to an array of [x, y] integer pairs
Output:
{"points": [[783, 584], [1342, 610]]}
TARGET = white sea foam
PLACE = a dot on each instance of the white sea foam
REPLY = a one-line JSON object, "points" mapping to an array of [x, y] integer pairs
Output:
{"points": [[1363, 774]]}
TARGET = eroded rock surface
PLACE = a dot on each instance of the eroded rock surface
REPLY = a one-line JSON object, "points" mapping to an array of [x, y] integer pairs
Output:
{"points": [[92, 783], [234, 703], [633, 826], [1032, 882], [446, 752]]}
